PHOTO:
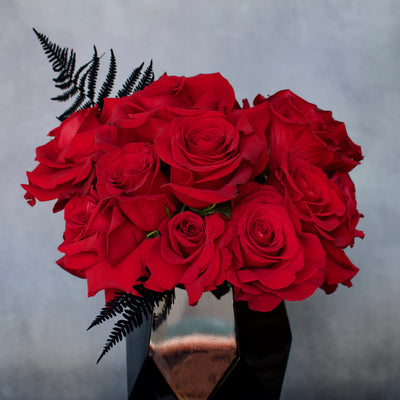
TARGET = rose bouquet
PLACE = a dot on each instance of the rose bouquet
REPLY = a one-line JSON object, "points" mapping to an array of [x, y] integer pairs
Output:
{"points": [[178, 185]]}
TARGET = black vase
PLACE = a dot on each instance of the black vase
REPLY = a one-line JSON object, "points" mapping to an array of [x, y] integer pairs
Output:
{"points": [[255, 371]]}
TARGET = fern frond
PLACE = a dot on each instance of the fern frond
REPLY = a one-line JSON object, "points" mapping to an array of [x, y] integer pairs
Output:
{"points": [[77, 105], [74, 107], [80, 85], [67, 72], [66, 95], [65, 85], [82, 81], [133, 309], [108, 84], [147, 78], [78, 73], [74, 78], [71, 64], [59, 57], [93, 74], [129, 84], [121, 329], [111, 309]]}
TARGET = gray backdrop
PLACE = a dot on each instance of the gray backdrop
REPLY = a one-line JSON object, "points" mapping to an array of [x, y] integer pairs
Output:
{"points": [[341, 54]]}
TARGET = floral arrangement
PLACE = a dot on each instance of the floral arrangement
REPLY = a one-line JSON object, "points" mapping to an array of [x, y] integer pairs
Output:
{"points": [[175, 184]]}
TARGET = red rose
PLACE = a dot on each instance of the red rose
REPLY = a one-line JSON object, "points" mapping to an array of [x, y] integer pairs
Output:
{"points": [[99, 244], [312, 197], [271, 260], [323, 208], [133, 170], [66, 162], [344, 236], [210, 155], [192, 251], [204, 91], [346, 232], [132, 175], [311, 133]]}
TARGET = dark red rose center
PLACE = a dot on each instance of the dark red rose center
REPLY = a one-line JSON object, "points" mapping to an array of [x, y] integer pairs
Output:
{"points": [[189, 230], [263, 233], [189, 235], [128, 176], [209, 141], [206, 142], [266, 233]]}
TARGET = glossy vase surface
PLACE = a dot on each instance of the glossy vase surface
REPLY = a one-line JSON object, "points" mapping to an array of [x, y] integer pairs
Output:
{"points": [[217, 350]]}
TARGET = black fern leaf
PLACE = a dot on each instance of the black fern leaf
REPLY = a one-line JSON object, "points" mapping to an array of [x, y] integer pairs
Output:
{"points": [[80, 86], [146, 79], [74, 107], [63, 62], [82, 82], [134, 310], [93, 74], [125, 303], [67, 72], [77, 105], [111, 309], [71, 66], [65, 85], [129, 84], [66, 95], [108, 84], [64, 80], [121, 329], [77, 77], [59, 57]]}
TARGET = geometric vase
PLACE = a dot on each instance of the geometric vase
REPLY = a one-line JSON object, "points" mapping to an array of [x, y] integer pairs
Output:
{"points": [[217, 350]]}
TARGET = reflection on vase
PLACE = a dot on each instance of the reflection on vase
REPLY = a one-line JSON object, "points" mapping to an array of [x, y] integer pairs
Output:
{"points": [[195, 347]]}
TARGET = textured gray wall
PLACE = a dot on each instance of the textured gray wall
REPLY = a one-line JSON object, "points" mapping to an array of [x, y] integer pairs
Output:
{"points": [[341, 54]]}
